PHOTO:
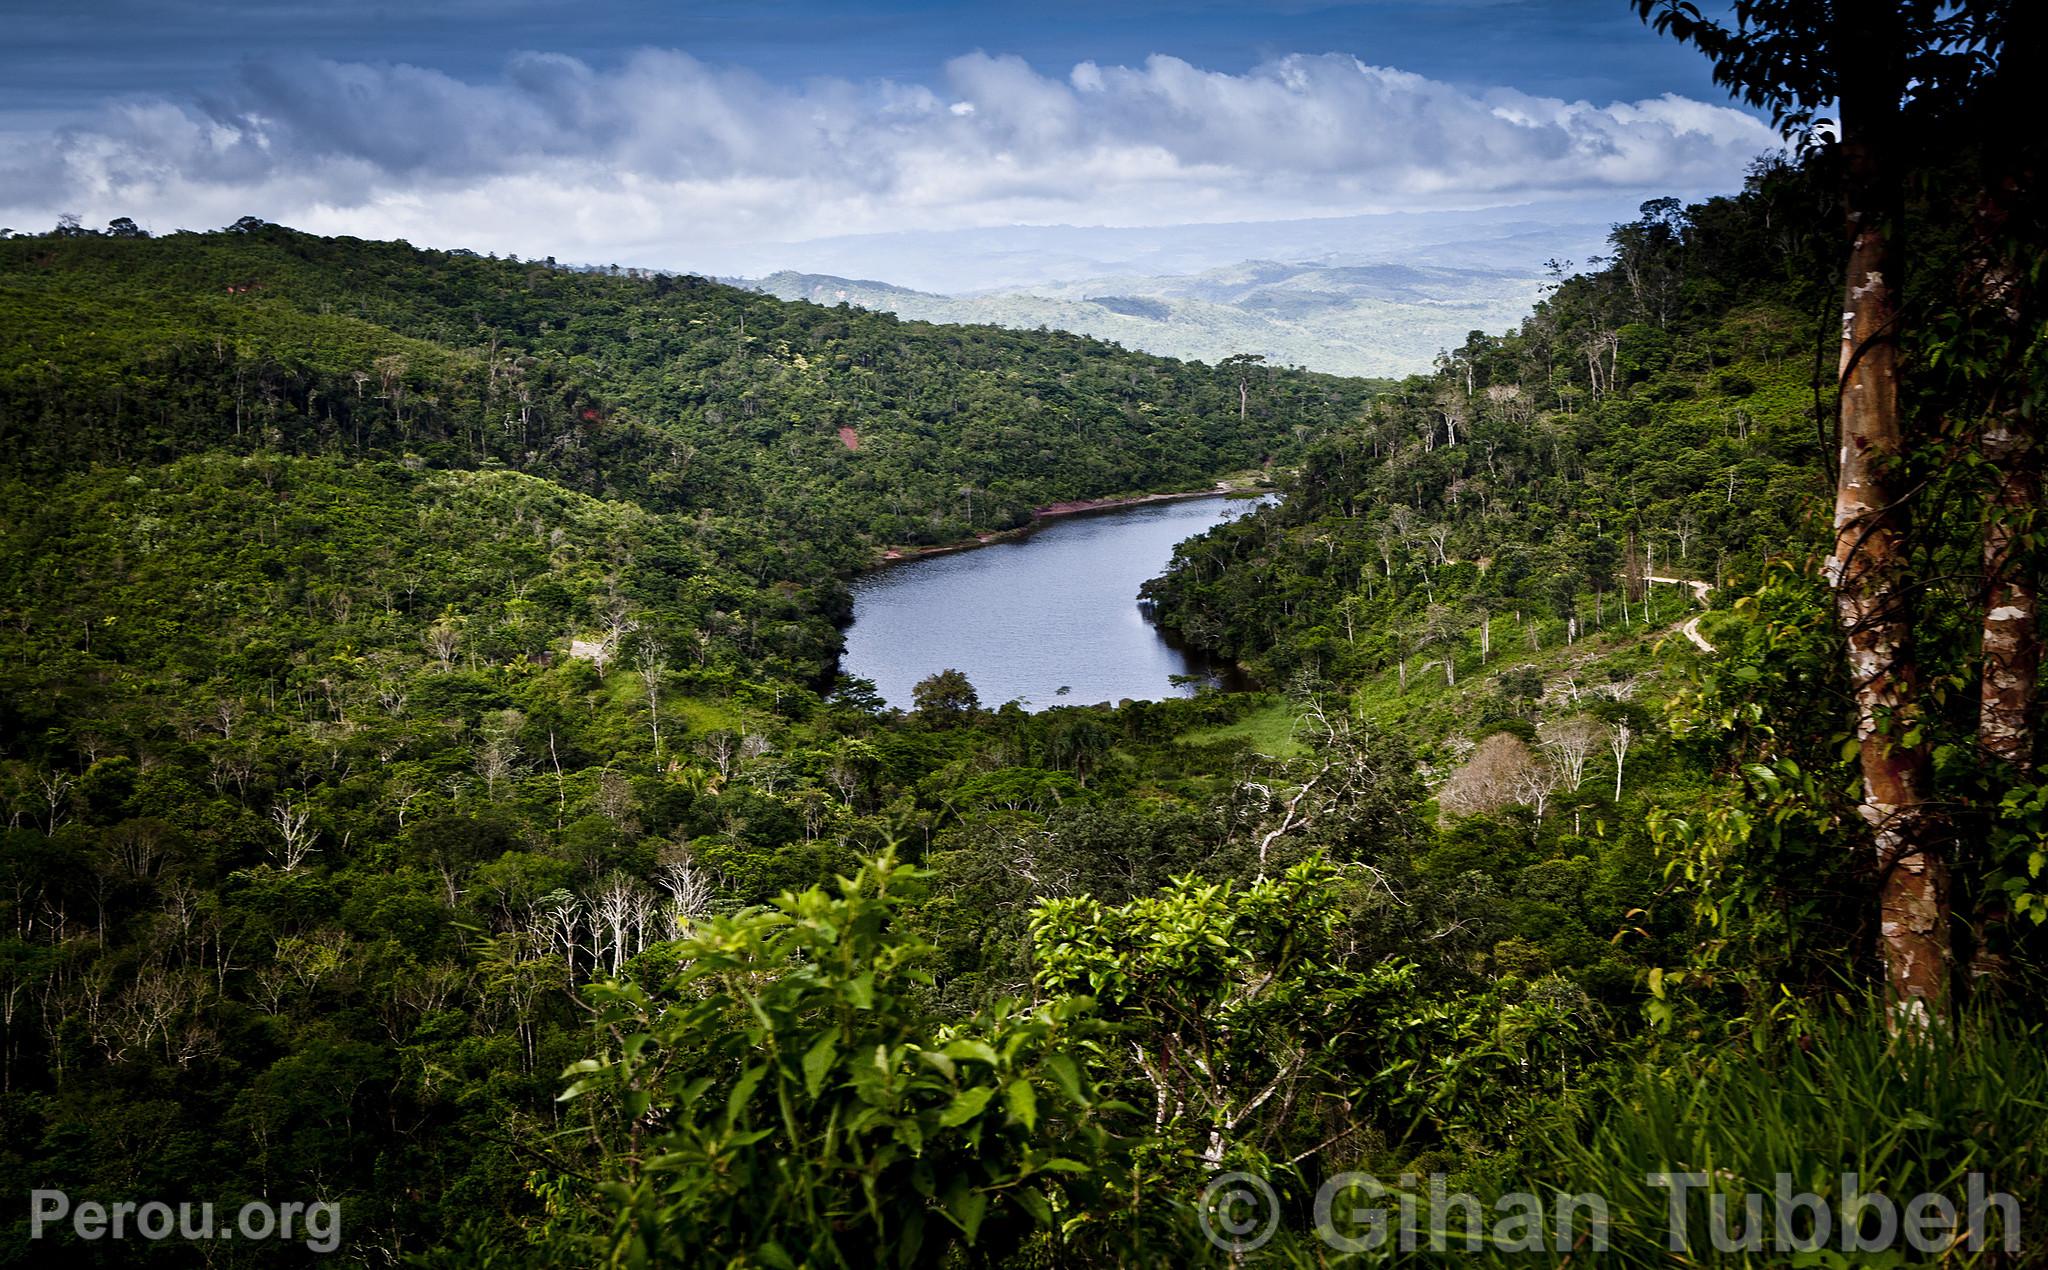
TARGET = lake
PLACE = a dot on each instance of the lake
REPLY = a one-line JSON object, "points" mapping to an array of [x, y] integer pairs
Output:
{"points": [[1027, 617]]}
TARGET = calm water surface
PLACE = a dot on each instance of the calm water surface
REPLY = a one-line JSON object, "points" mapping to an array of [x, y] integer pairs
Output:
{"points": [[1028, 617]]}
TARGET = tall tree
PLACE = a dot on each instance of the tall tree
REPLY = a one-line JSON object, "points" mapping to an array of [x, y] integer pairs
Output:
{"points": [[1998, 180], [1895, 73]]}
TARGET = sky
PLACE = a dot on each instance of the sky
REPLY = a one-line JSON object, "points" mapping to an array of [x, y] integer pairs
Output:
{"points": [[694, 134]]}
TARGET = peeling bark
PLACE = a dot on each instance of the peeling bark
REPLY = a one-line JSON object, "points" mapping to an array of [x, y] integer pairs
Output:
{"points": [[1872, 526], [2012, 641]]}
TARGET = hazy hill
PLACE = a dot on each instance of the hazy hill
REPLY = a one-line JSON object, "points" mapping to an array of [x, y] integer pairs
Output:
{"points": [[1378, 319], [1032, 257]]}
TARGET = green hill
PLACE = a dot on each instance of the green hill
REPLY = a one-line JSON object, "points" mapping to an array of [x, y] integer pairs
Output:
{"points": [[673, 392]]}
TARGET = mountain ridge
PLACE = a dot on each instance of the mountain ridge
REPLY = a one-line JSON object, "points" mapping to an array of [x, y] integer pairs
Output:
{"points": [[1365, 318]]}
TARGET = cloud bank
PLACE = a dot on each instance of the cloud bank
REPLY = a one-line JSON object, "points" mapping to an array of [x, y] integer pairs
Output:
{"points": [[664, 159]]}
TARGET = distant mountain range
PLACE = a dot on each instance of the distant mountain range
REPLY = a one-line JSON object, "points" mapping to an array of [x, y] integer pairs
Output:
{"points": [[1375, 295], [1372, 319]]}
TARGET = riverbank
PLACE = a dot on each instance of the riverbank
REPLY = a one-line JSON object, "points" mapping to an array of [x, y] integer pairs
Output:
{"points": [[1254, 483]]}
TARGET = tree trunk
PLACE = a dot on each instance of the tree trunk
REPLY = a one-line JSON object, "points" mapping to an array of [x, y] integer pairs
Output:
{"points": [[2006, 286], [2012, 641], [1868, 566]]}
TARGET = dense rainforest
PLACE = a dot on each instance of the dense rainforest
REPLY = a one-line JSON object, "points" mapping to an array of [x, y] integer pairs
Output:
{"points": [[430, 790]]}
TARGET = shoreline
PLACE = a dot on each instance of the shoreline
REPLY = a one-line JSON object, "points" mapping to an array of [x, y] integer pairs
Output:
{"points": [[1053, 511]]}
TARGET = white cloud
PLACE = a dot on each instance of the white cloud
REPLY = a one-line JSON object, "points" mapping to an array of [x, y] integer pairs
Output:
{"points": [[665, 159]]}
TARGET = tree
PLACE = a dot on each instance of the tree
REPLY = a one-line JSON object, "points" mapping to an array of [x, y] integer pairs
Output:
{"points": [[652, 660], [295, 832], [688, 886], [1239, 1006], [1240, 366], [444, 639], [1898, 73], [1571, 742], [497, 759], [1534, 783], [1498, 774], [945, 697], [1618, 741]]}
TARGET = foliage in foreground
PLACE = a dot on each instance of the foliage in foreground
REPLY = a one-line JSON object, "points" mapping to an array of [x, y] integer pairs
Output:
{"points": [[774, 1092], [785, 1096]]}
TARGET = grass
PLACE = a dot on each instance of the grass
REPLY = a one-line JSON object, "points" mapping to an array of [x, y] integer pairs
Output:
{"points": [[699, 716], [1268, 730], [1830, 1096], [1822, 1097]]}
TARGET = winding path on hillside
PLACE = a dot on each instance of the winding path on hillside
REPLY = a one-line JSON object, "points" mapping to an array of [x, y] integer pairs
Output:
{"points": [[1691, 629]]}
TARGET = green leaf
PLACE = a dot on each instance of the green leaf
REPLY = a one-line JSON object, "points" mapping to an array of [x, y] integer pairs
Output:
{"points": [[1035, 1203], [967, 1206], [910, 1134], [1067, 1075], [1022, 1101], [742, 1093], [966, 1106], [979, 1051], [861, 991], [818, 1061]]}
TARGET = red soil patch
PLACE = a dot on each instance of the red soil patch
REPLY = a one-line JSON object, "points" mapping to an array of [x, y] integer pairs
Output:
{"points": [[849, 438]]}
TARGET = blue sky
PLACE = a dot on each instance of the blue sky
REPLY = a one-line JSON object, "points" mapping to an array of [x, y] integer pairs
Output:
{"points": [[678, 133], [71, 56]]}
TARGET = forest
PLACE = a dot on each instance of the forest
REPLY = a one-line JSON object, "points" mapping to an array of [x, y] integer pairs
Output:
{"points": [[430, 788]]}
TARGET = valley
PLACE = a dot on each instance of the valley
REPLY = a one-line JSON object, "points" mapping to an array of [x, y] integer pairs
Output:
{"points": [[477, 751]]}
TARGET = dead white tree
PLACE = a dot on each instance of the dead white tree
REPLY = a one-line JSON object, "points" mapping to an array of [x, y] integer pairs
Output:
{"points": [[1439, 627], [557, 919], [443, 639], [1292, 815], [620, 912], [688, 887], [1488, 780], [1439, 538], [135, 848], [56, 787], [615, 798], [1617, 744], [844, 776], [296, 834], [652, 660], [722, 747], [1533, 783], [1570, 743], [1510, 402], [618, 624], [496, 760]]}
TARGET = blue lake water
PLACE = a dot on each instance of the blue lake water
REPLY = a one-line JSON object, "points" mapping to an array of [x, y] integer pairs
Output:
{"points": [[1024, 618]]}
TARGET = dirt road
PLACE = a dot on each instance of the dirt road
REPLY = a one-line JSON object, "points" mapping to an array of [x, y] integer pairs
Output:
{"points": [[1691, 629]]}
